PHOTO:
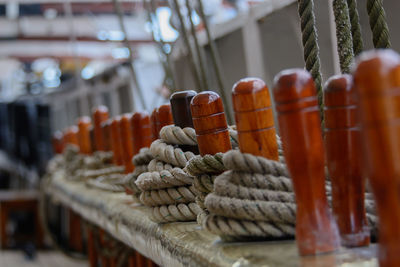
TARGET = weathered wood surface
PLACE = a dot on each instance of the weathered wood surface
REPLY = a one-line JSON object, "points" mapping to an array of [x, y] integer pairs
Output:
{"points": [[186, 244]]}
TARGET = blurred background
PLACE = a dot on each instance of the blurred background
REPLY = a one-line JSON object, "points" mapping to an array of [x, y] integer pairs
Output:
{"points": [[61, 58]]}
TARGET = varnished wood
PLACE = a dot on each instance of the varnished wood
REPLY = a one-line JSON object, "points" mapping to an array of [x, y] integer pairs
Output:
{"points": [[210, 123], [342, 143], [100, 115], [377, 83], [181, 114], [92, 139], [300, 129], [180, 106], [84, 124], [141, 131], [116, 144], [153, 125], [106, 132], [71, 136], [254, 118], [58, 142], [91, 248], [163, 117], [126, 140]]}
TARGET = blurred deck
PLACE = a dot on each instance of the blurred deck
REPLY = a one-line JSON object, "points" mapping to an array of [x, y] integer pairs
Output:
{"points": [[42, 259]]}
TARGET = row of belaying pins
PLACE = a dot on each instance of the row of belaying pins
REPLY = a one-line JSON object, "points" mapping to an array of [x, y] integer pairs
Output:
{"points": [[361, 140]]}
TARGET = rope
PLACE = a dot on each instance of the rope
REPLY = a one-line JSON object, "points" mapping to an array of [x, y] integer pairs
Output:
{"points": [[310, 44], [355, 27], [343, 34], [165, 188], [377, 22], [255, 199]]}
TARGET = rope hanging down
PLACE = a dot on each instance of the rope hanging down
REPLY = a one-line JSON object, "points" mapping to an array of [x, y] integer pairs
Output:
{"points": [[377, 22], [310, 44], [343, 34], [355, 27]]}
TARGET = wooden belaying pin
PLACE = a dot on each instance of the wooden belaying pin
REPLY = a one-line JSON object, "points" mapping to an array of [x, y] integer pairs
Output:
{"points": [[106, 133], [126, 140], [300, 129], [180, 106], [57, 142], [84, 124], [254, 118], [210, 123], [71, 136], [100, 115], [377, 86], [342, 137], [153, 125], [181, 114], [141, 131], [116, 144], [163, 117]]}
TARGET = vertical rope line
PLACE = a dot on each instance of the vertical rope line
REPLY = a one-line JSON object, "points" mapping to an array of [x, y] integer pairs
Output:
{"points": [[355, 27], [185, 38], [377, 22], [310, 44], [343, 34], [197, 47], [216, 61]]}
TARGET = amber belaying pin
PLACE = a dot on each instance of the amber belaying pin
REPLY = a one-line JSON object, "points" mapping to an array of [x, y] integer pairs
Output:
{"points": [[254, 118], [300, 129], [377, 84]]}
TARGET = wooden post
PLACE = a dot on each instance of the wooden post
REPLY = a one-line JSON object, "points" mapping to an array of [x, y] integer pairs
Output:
{"points": [[141, 131], [71, 136], [116, 144], [181, 114], [84, 124], [342, 143], [153, 125], [58, 142], [210, 123], [126, 141], [163, 117], [100, 115], [254, 118], [300, 129], [377, 83], [106, 133]]}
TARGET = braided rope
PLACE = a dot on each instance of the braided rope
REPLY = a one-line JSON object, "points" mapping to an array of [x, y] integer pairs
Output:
{"points": [[175, 135], [310, 44], [343, 34], [143, 157], [168, 196], [255, 198], [173, 213], [111, 182], [163, 179], [377, 22], [355, 27], [157, 166], [167, 153], [207, 164]]}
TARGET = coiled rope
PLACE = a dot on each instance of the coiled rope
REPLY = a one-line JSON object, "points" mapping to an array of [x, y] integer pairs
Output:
{"points": [[255, 199]]}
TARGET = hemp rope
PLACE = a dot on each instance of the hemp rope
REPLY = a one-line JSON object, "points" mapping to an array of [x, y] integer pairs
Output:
{"points": [[255, 198], [310, 44], [343, 34], [355, 27], [377, 22], [165, 187]]}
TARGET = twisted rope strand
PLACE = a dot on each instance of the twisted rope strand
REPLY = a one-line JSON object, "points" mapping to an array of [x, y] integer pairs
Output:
{"points": [[343, 34], [355, 27], [310, 44], [377, 22]]}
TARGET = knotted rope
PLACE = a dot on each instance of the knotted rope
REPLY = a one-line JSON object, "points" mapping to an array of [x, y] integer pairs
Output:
{"points": [[377, 22], [255, 199]]}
